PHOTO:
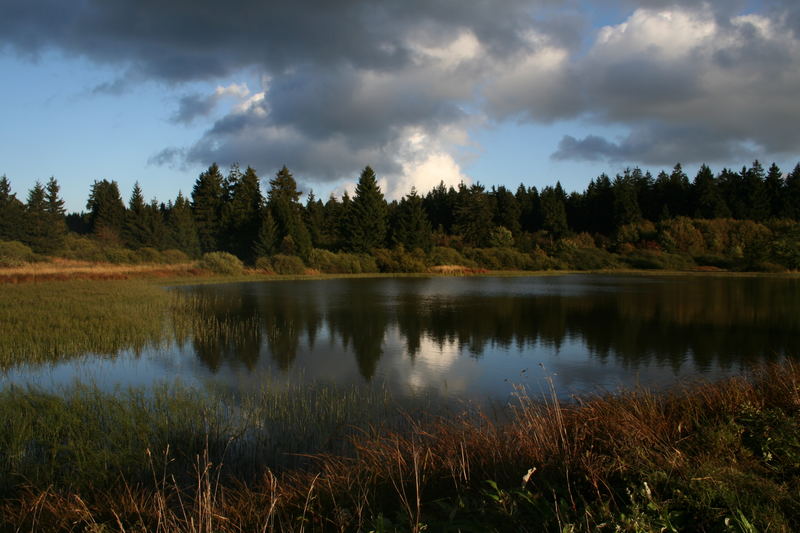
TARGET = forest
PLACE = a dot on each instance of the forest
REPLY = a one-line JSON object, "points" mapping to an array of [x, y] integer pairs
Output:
{"points": [[745, 220]]}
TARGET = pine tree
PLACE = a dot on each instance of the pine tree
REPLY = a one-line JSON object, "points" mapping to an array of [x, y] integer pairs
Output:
{"points": [[106, 210], [265, 243], [135, 231], [367, 218], [626, 202], [207, 202], [284, 204], [709, 202], [244, 214], [439, 205], [315, 222], [791, 206], [36, 221], [773, 186], [412, 228], [473, 216], [55, 215], [599, 206], [12, 212], [554, 214], [530, 208], [507, 211], [181, 231], [758, 205]]}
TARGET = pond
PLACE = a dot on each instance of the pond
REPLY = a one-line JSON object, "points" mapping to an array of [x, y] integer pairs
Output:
{"points": [[470, 338]]}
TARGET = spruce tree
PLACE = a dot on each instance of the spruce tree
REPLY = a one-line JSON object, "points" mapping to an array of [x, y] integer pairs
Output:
{"points": [[264, 245], [507, 212], [473, 216], [283, 202], [755, 191], [367, 218], [773, 188], [135, 230], [12, 212], [106, 210], [791, 206], [708, 199], [55, 215], [207, 202], [36, 221], [244, 214], [626, 201], [412, 228], [315, 222], [554, 214], [181, 231]]}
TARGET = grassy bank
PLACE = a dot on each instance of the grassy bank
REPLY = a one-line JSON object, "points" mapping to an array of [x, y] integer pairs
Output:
{"points": [[721, 457]]}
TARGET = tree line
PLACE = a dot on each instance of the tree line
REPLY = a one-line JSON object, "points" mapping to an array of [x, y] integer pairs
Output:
{"points": [[229, 212]]}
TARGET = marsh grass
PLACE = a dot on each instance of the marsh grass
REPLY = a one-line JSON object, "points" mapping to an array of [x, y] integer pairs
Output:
{"points": [[710, 457]]}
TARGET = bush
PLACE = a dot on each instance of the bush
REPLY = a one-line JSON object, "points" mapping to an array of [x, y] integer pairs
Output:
{"points": [[149, 255], [263, 263], [399, 260], [173, 256], [121, 256], [500, 258], [82, 248], [588, 259], [340, 263], [442, 255], [221, 263], [287, 264], [14, 253], [654, 260]]}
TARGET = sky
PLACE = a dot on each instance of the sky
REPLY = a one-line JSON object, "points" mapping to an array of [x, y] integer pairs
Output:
{"points": [[498, 92]]}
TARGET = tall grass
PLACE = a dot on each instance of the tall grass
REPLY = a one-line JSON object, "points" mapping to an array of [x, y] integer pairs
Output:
{"points": [[713, 457]]}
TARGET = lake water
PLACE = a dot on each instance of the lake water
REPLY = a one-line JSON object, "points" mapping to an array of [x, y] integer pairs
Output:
{"points": [[464, 338]]}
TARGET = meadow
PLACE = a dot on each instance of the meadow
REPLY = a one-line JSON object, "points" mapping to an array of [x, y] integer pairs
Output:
{"points": [[703, 457]]}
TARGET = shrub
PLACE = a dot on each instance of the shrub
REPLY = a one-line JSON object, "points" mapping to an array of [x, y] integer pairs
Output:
{"points": [[500, 258], [341, 263], [588, 259], [82, 248], [442, 255], [399, 260], [121, 256], [149, 255], [173, 256], [287, 264], [680, 235], [14, 253], [221, 263], [263, 263], [655, 260]]}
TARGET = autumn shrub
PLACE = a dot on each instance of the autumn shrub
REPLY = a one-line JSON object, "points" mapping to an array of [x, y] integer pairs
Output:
{"points": [[399, 259], [173, 256], [264, 263], [287, 264], [679, 235], [81, 248], [149, 255], [499, 258], [14, 253], [221, 263], [588, 259], [442, 255], [655, 260]]}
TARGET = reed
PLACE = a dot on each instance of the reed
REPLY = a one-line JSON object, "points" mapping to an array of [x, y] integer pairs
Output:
{"points": [[707, 457]]}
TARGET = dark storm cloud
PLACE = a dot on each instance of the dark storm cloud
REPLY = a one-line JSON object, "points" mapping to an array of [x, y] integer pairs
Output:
{"points": [[349, 82]]}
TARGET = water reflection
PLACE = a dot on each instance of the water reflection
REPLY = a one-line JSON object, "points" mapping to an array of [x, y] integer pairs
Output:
{"points": [[630, 323]]}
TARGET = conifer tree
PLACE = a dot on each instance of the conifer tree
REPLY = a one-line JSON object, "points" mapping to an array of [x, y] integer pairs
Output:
{"points": [[315, 222], [207, 202], [626, 201], [412, 228], [755, 192], [11, 213], [554, 214], [709, 202], [55, 215], [367, 217], [181, 231], [106, 210], [530, 208], [135, 229], [791, 208], [264, 245], [473, 216], [244, 214], [507, 211], [773, 188], [36, 220], [284, 204]]}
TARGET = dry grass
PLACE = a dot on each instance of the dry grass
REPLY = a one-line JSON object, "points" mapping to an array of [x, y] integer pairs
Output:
{"points": [[631, 462], [63, 269]]}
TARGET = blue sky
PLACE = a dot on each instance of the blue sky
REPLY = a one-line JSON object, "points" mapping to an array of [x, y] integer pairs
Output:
{"points": [[496, 92]]}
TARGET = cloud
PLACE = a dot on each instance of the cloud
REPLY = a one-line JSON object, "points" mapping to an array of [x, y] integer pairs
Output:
{"points": [[687, 84], [400, 84]]}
